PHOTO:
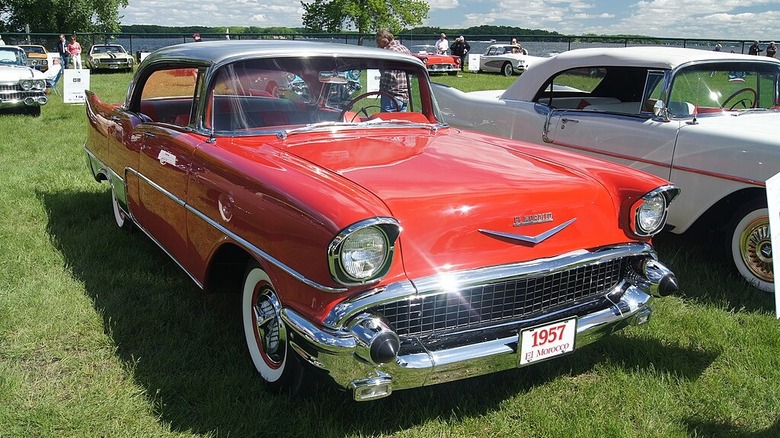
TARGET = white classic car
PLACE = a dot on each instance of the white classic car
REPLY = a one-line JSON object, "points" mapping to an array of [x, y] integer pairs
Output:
{"points": [[21, 87], [705, 120], [507, 59]]}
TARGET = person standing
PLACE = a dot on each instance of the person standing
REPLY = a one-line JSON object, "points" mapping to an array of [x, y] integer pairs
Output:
{"points": [[392, 82], [754, 48], [461, 48], [442, 45], [62, 49], [2, 43], [771, 50], [74, 48]]}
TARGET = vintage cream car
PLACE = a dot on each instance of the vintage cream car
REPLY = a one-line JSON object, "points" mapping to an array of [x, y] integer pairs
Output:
{"points": [[376, 250], [507, 59], [708, 121], [21, 87], [109, 57]]}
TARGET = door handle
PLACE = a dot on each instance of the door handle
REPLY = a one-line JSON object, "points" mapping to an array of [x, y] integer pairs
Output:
{"points": [[566, 120]]}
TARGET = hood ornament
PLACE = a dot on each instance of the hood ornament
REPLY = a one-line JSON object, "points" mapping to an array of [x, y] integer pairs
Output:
{"points": [[539, 238]]}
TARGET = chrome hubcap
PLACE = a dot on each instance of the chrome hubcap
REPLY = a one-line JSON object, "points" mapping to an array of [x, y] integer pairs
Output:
{"points": [[268, 329], [755, 245]]}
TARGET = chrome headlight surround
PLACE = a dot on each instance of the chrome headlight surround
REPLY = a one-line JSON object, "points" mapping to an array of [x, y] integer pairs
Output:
{"points": [[649, 213], [32, 84], [363, 252]]}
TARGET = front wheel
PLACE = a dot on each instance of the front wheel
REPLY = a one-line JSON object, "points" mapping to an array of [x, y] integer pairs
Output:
{"points": [[751, 246], [266, 334], [506, 69]]}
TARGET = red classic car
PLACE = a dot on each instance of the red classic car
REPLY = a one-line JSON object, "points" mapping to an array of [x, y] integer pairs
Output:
{"points": [[434, 62], [377, 250]]}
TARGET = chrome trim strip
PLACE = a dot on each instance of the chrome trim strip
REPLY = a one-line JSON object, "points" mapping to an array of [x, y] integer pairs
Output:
{"points": [[252, 248], [439, 283]]}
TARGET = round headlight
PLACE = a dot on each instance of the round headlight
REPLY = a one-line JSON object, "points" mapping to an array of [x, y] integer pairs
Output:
{"points": [[651, 215], [39, 85], [26, 85], [363, 253]]}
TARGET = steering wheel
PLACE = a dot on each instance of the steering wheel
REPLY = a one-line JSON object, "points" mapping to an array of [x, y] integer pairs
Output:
{"points": [[744, 101], [364, 110]]}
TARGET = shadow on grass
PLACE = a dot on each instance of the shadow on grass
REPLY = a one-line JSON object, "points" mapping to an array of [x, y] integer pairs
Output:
{"points": [[714, 430], [706, 274], [186, 350]]}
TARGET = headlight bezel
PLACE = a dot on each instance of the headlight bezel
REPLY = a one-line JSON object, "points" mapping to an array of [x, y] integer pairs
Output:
{"points": [[386, 230], [656, 204]]}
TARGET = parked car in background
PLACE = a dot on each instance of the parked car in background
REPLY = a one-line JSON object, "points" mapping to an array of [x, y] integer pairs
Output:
{"points": [[705, 120], [109, 57], [37, 56], [377, 250], [507, 59], [434, 62], [21, 87]]}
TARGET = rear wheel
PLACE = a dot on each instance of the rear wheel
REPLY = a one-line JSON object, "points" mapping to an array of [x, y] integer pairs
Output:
{"points": [[506, 69], [751, 245], [266, 335], [120, 217]]}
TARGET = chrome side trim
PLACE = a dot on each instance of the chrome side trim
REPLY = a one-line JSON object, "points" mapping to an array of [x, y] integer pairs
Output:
{"points": [[439, 283], [235, 237]]}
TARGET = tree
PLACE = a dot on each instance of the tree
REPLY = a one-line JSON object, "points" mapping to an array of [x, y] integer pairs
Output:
{"points": [[61, 15], [363, 15]]}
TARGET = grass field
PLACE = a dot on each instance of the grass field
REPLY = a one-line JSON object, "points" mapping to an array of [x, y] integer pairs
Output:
{"points": [[102, 335]]}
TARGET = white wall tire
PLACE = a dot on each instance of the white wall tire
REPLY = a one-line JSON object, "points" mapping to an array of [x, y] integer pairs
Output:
{"points": [[263, 328], [751, 247], [120, 217]]}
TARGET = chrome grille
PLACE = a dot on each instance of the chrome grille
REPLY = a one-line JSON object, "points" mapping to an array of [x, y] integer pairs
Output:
{"points": [[500, 302]]}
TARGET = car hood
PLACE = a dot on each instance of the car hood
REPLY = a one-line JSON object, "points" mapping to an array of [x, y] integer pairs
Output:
{"points": [[110, 55], [743, 123], [450, 190], [16, 72]]}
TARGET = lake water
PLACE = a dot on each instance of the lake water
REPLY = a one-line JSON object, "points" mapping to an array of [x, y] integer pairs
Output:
{"points": [[537, 48]]}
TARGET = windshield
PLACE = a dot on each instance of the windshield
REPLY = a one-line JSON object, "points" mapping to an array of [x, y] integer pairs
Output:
{"points": [[12, 56], [295, 92], [107, 49], [730, 86]]}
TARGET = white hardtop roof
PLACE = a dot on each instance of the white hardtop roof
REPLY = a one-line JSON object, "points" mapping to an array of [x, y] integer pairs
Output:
{"points": [[659, 57]]}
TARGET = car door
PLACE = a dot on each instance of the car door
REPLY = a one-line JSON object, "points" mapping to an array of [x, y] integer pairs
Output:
{"points": [[166, 150], [614, 118]]}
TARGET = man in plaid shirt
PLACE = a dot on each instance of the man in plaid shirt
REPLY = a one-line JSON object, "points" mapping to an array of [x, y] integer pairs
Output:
{"points": [[392, 82]]}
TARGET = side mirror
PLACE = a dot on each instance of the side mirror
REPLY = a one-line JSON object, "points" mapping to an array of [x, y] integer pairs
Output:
{"points": [[660, 110]]}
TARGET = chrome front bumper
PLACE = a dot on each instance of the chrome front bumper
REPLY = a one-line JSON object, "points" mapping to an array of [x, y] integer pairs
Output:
{"points": [[343, 351]]}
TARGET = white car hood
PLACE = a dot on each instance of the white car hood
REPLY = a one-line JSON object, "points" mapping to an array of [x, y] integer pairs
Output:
{"points": [[746, 124], [12, 73]]}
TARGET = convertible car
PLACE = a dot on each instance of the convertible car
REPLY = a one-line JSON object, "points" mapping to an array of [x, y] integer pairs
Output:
{"points": [[375, 250], [434, 62], [705, 120], [109, 57], [507, 59], [37, 56]]}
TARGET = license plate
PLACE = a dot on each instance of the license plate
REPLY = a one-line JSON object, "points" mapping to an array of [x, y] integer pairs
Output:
{"points": [[113, 66], [547, 341]]}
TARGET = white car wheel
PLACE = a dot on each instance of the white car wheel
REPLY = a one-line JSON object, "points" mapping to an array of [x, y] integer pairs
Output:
{"points": [[120, 217], [263, 326], [751, 247], [506, 69]]}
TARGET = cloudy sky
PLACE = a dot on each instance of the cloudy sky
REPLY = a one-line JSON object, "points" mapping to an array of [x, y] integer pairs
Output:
{"points": [[707, 19]]}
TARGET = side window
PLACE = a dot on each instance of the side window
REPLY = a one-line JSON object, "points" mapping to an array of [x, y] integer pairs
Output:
{"points": [[168, 96], [573, 89], [653, 88]]}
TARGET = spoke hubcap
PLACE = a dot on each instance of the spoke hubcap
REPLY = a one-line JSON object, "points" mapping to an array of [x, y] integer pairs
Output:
{"points": [[755, 246]]}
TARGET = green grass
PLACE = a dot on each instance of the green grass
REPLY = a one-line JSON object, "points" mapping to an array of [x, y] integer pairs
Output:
{"points": [[101, 334]]}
